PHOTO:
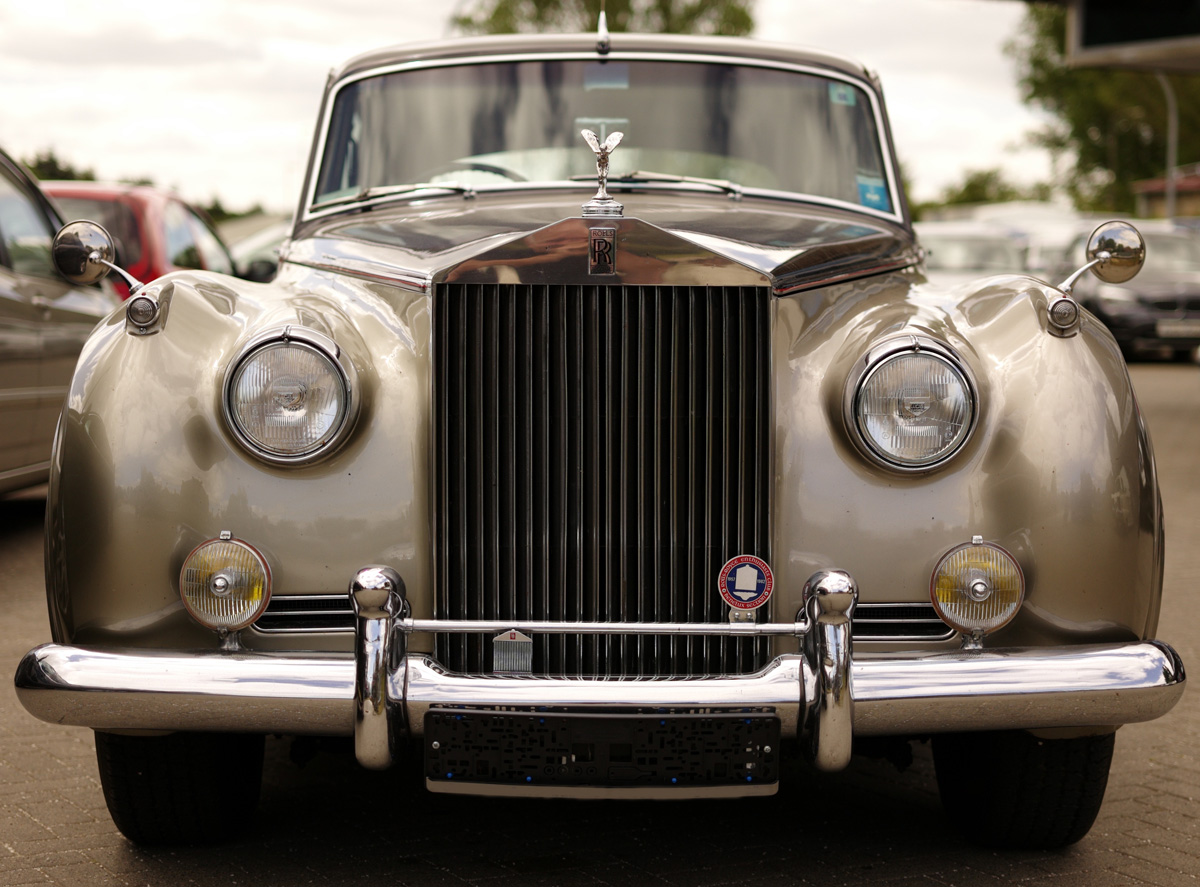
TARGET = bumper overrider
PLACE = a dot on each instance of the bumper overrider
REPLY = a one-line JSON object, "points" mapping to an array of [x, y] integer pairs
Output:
{"points": [[383, 693]]}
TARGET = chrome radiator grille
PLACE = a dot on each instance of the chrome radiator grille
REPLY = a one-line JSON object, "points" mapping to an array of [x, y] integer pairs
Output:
{"points": [[601, 452]]}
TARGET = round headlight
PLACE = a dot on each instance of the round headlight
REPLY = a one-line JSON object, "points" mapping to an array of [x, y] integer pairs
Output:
{"points": [[913, 408], [288, 398], [225, 584], [977, 587]]}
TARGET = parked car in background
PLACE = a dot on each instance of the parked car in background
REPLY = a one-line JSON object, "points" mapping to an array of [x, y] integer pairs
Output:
{"points": [[44, 321], [155, 231], [256, 257], [602, 435], [1158, 312], [962, 252]]}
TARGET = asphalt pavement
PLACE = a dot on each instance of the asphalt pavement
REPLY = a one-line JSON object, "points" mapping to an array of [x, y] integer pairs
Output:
{"points": [[325, 821]]}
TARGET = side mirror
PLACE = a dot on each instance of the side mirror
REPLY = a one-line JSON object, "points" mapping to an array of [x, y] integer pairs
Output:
{"points": [[83, 253], [1118, 250], [1115, 254]]}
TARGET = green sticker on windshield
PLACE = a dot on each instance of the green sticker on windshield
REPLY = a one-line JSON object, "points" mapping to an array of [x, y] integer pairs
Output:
{"points": [[843, 94]]}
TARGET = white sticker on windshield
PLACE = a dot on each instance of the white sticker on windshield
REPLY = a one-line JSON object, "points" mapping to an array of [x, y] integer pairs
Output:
{"points": [[843, 94], [605, 75]]}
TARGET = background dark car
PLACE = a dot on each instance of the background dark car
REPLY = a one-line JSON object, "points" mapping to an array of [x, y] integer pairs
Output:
{"points": [[1158, 312], [155, 231], [44, 321]]}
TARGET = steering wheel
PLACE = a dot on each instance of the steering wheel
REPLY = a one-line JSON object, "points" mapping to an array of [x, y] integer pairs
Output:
{"points": [[476, 165]]}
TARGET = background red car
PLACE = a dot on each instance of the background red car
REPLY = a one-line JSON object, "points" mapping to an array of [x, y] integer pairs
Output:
{"points": [[155, 231]]}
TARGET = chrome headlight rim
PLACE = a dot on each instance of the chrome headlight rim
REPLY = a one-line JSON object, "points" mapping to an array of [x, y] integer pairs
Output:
{"points": [[317, 343], [877, 357]]}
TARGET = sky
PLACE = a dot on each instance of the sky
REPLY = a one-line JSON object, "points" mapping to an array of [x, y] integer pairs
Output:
{"points": [[218, 98]]}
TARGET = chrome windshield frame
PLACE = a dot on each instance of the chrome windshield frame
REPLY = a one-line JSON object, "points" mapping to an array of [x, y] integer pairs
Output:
{"points": [[883, 132]]}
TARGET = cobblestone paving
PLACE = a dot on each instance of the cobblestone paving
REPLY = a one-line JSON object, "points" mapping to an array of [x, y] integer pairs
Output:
{"points": [[327, 822]]}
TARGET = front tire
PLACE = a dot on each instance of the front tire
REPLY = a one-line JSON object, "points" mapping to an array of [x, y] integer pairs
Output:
{"points": [[1013, 790], [184, 788]]}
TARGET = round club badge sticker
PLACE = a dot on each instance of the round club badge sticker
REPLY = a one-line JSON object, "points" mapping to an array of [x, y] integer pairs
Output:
{"points": [[745, 582]]}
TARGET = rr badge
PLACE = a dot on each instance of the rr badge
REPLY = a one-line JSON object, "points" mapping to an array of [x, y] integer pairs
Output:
{"points": [[745, 582], [602, 250]]}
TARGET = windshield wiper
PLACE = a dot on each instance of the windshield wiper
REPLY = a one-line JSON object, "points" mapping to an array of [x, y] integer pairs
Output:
{"points": [[395, 191], [640, 175]]}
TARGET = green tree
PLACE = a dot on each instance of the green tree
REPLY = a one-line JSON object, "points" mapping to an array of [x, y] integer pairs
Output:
{"points": [[46, 166], [982, 186], [1112, 122], [729, 18]]}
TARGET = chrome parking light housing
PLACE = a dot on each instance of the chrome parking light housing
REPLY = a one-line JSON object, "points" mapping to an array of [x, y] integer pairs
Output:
{"points": [[289, 398], [910, 404], [977, 587], [225, 583]]}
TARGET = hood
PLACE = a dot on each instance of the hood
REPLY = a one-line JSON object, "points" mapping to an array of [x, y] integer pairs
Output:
{"points": [[540, 237]]}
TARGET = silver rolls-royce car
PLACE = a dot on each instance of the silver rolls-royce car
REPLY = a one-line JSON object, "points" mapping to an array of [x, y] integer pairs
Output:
{"points": [[601, 437]]}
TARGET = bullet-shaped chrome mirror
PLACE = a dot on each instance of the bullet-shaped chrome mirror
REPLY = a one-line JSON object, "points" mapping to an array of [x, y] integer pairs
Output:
{"points": [[1118, 250], [1115, 254], [83, 252]]}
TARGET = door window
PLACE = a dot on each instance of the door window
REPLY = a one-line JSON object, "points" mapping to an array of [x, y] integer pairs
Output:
{"points": [[182, 251], [25, 232]]}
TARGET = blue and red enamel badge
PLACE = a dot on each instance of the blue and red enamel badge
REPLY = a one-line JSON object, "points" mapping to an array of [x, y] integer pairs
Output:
{"points": [[745, 582]]}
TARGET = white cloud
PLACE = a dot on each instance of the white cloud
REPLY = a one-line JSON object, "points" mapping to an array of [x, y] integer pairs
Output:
{"points": [[219, 98]]}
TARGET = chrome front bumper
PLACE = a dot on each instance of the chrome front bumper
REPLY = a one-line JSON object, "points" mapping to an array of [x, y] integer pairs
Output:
{"points": [[382, 692]]}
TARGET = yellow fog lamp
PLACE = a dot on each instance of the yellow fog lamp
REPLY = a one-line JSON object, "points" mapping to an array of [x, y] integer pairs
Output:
{"points": [[225, 584], [977, 588]]}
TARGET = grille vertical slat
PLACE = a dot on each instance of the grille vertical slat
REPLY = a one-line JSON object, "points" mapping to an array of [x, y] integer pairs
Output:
{"points": [[601, 452]]}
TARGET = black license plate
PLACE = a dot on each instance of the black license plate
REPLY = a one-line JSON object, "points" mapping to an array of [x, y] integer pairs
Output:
{"points": [[616, 750]]}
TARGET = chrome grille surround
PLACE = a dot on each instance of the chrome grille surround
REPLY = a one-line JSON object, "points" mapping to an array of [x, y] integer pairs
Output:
{"points": [[601, 451]]}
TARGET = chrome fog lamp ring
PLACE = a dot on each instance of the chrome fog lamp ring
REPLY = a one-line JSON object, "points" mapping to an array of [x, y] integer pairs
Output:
{"points": [[911, 404], [977, 588], [225, 583], [289, 398]]}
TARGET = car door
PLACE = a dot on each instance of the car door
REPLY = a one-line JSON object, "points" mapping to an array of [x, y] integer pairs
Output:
{"points": [[45, 323], [24, 247]]}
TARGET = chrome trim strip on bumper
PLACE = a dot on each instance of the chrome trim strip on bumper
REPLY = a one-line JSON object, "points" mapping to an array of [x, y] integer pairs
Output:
{"points": [[909, 694], [600, 792]]}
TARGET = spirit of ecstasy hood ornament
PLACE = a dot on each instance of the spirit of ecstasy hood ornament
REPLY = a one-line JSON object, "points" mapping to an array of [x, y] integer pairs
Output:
{"points": [[602, 205]]}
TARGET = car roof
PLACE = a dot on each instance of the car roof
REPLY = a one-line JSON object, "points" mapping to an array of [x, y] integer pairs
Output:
{"points": [[465, 48], [102, 189]]}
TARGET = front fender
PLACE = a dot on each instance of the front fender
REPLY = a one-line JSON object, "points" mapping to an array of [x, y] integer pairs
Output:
{"points": [[1059, 470], [145, 468]]}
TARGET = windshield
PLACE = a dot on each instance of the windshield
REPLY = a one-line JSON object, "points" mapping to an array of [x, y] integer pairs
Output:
{"points": [[498, 123]]}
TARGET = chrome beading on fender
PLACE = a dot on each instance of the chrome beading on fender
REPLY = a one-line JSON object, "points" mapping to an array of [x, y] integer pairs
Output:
{"points": [[379, 597], [829, 599]]}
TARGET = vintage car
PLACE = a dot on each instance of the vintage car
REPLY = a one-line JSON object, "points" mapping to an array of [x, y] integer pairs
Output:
{"points": [[44, 321], [154, 230], [601, 437]]}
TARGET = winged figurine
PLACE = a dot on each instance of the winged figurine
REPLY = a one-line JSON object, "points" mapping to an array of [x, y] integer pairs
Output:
{"points": [[602, 152]]}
